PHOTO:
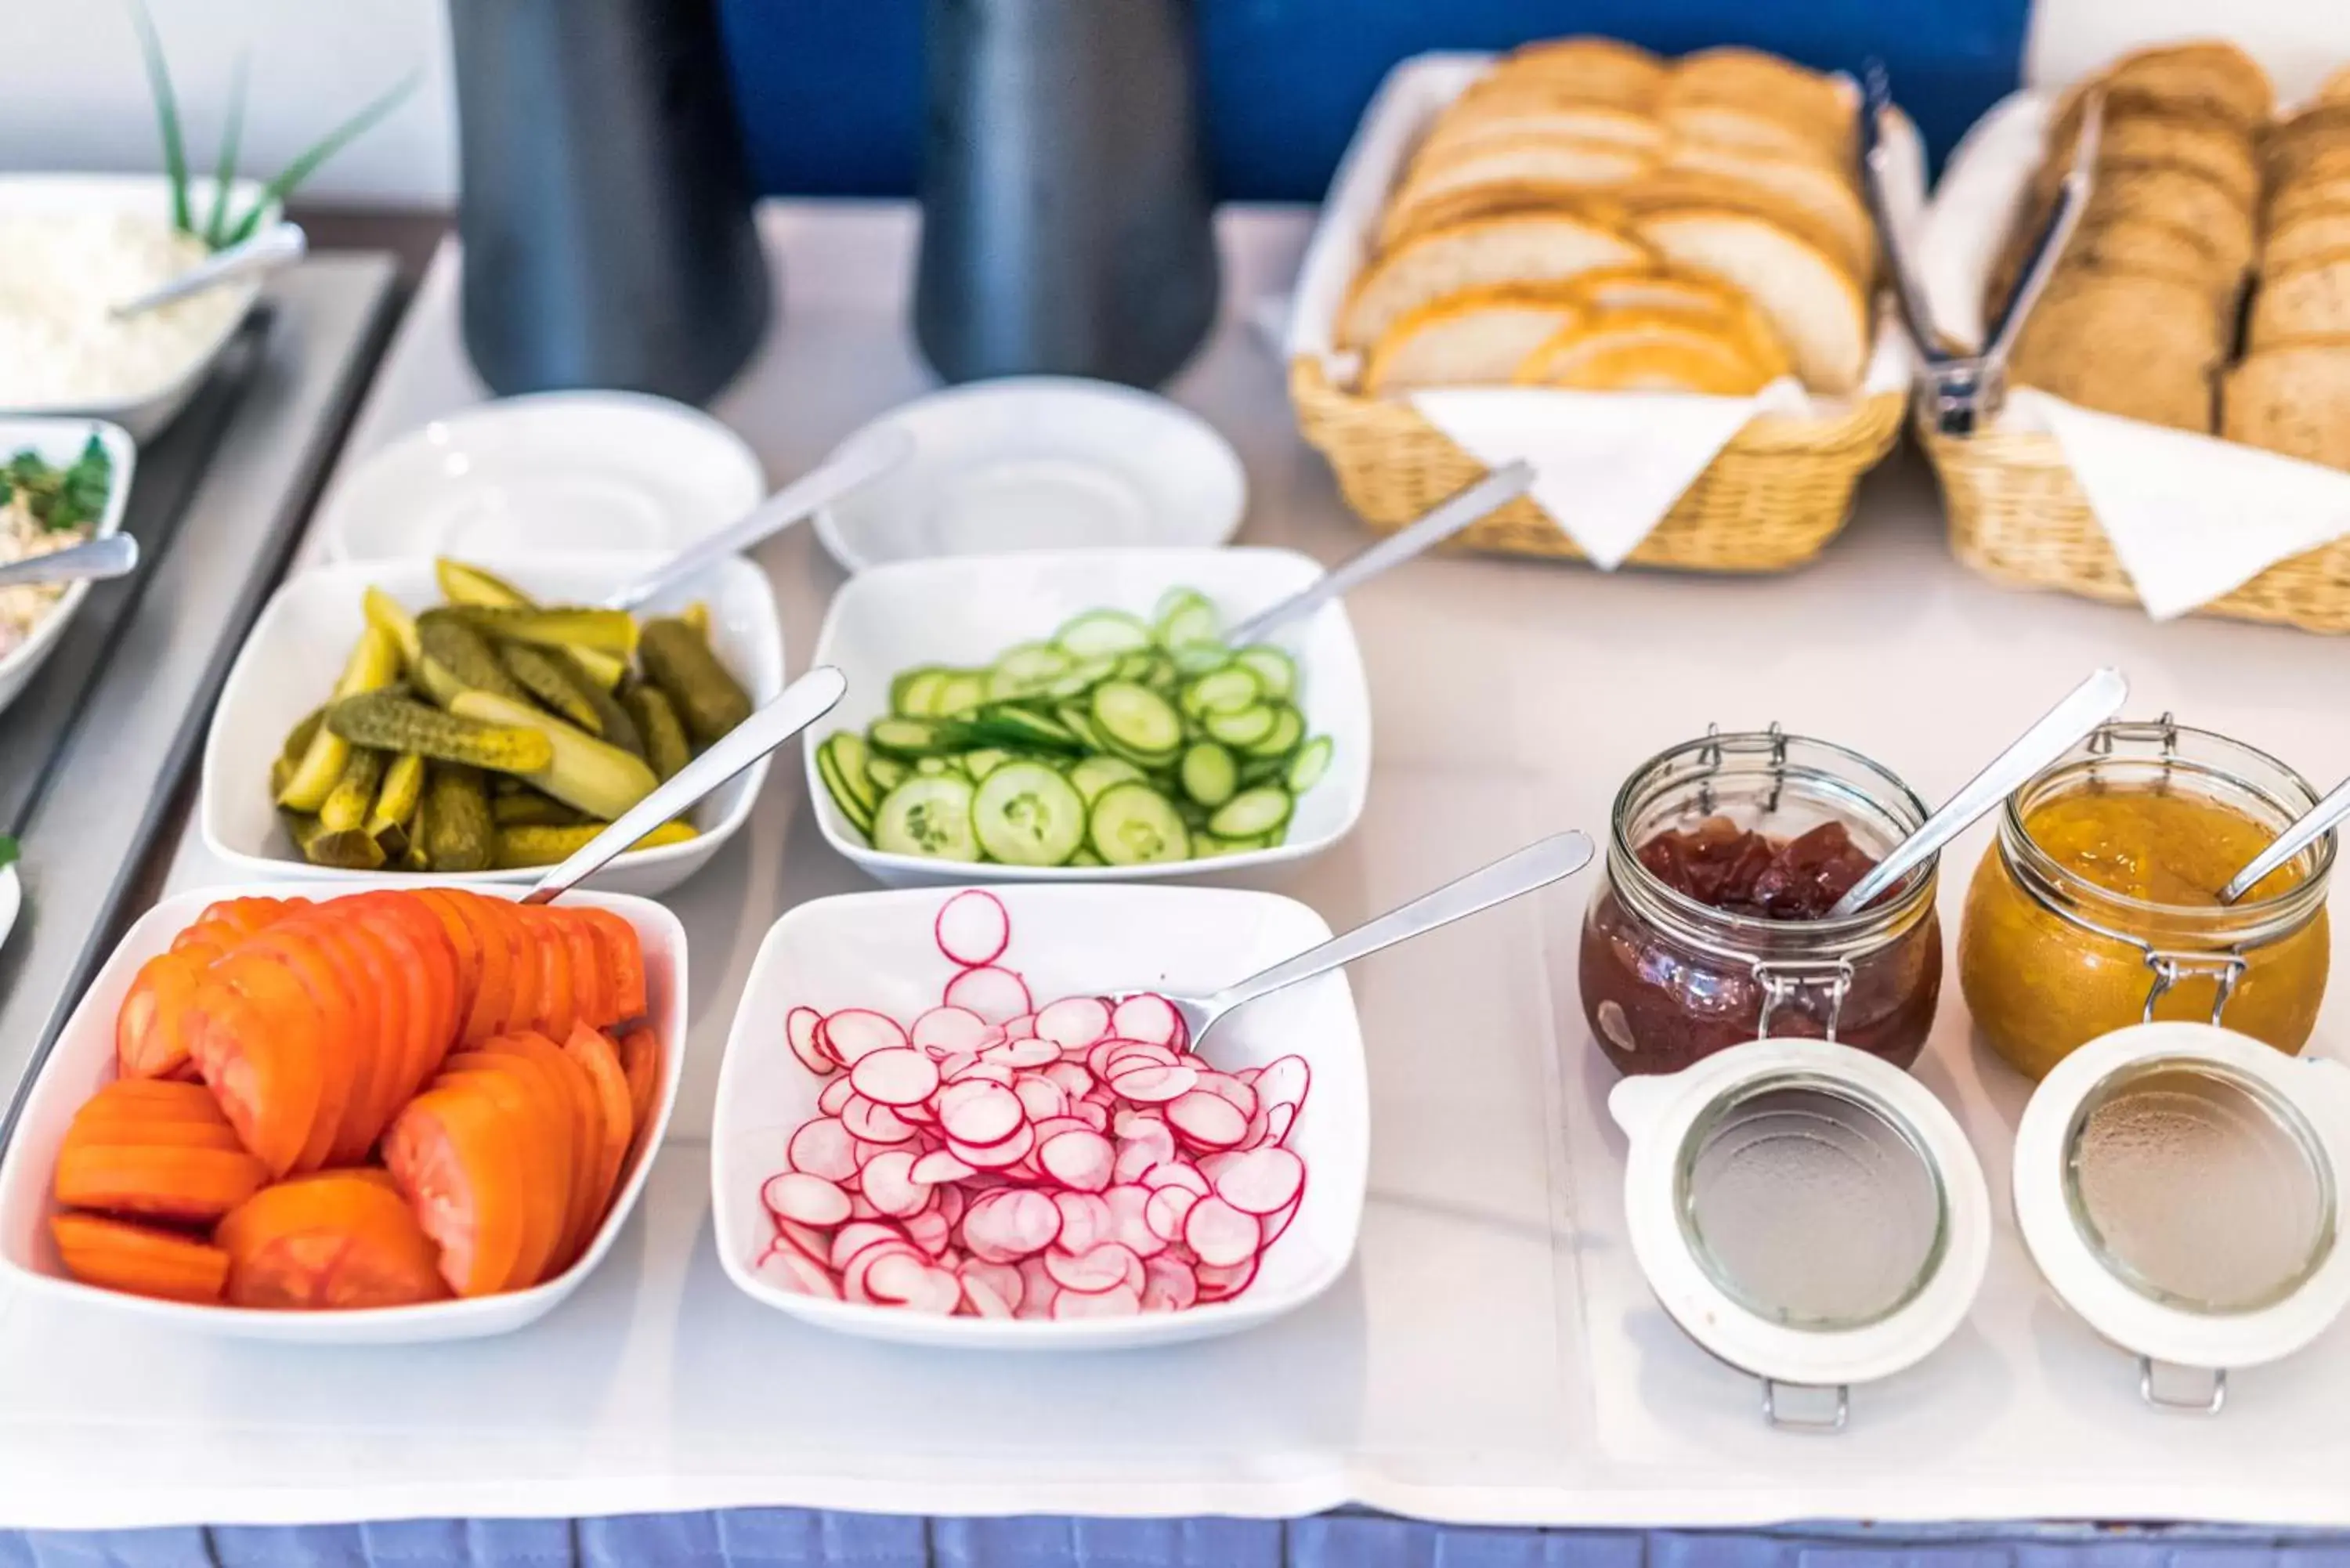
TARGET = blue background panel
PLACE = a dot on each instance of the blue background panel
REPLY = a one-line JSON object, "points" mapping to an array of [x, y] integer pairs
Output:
{"points": [[830, 91]]}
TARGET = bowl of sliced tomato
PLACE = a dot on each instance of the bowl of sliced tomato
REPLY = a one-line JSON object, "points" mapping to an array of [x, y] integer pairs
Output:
{"points": [[397, 1114]]}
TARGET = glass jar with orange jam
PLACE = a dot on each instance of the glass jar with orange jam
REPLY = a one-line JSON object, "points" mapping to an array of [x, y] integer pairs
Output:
{"points": [[2099, 906]]}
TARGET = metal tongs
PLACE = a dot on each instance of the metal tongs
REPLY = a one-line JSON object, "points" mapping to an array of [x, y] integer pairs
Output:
{"points": [[1964, 390]]}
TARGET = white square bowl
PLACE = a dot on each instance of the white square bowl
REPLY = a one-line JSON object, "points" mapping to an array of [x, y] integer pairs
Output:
{"points": [[145, 413], [59, 441], [967, 609], [82, 1062], [879, 951], [305, 634]]}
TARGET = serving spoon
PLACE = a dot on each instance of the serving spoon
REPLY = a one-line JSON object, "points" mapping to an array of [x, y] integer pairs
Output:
{"points": [[2306, 830], [2089, 704], [1536, 866], [94, 560], [1490, 493], [802, 704], [865, 461], [279, 245]]}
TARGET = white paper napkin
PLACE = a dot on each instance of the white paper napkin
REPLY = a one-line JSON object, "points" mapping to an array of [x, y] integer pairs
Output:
{"points": [[1607, 465], [2192, 517]]}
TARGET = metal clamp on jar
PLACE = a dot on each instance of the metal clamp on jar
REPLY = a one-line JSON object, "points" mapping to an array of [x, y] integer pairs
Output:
{"points": [[1668, 978]]}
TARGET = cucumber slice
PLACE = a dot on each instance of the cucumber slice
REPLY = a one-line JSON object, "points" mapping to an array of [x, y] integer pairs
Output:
{"points": [[1311, 765], [914, 695], [1248, 727], [1255, 770], [1082, 678], [1209, 776], [1186, 616], [962, 692], [1098, 633], [1272, 669], [1264, 809], [905, 738], [1134, 824], [1137, 720], [1082, 855], [849, 758], [852, 805], [935, 767], [1200, 657], [1208, 847], [1225, 690], [982, 761], [1073, 719], [1027, 814], [1288, 729], [1025, 725], [1028, 667], [1091, 776], [886, 773], [1136, 666], [927, 816]]}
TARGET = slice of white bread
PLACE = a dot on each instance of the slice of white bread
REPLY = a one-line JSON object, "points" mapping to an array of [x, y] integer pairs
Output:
{"points": [[1536, 161], [1705, 299], [1813, 304], [2309, 299], [1587, 69], [1644, 351], [1474, 338], [2313, 233], [1804, 100], [1593, 204], [2295, 399], [1827, 200], [1469, 124], [1750, 130], [1521, 247]]}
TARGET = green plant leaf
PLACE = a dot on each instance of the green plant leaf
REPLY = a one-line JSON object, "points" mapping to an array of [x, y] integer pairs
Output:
{"points": [[232, 133], [7, 851], [325, 147], [167, 113]]}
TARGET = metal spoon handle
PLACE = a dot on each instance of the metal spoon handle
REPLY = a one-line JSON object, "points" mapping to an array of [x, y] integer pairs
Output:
{"points": [[115, 555], [1496, 490], [2313, 825], [1536, 866], [804, 702], [862, 463], [1876, 163], [281, 245], [2090, 704]]}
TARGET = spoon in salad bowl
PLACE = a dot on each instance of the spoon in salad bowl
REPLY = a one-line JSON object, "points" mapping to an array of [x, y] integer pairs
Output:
{"points": [[115, 556], [1538, 864], [802, 704]]}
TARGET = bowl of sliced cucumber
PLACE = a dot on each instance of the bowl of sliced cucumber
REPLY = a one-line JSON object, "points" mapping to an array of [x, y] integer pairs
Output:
{"points": [[1079, 715]]}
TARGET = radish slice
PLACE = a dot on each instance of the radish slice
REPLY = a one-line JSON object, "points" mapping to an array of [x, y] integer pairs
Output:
{"points": [[799, 1033], [1087, 1222], [1154, 1086], [1219, 1283], [995, 994], [1221, 1234], [1010, 1224], [985, 1073], [950, 1030], [1082, 1160], [1226, 1087], [1276, 1224], [1283, 1082], [1075, 1081], [836, 1095], [1041, 1097], [1168, 1285], [1074, 1023], [887, 1180], [1130, 1206], [1038, 1291], [786, 1270], [853, 1033], [1146, 1017], [1165, 1211], [809, 1200], [1207, 1120], [972, 929], [1018, 1051], [1002, 1155], [898, 1076], [856, 1237], [1278, 1121], [930, 1232], [908, 1279], [1000, 1281], [1178, 1173], [811, 1241], [1119, 1300], [980, 1113], [823, 1148], [937, 1168], [873, 1123], [1096, 1269], [1262, 1181]]}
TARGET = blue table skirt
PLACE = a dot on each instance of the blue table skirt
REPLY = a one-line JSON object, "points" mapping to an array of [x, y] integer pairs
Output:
{"points": [[796, 1538]]}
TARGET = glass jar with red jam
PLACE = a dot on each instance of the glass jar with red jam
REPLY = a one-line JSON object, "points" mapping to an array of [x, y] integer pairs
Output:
{"points": [[1711, 928]]}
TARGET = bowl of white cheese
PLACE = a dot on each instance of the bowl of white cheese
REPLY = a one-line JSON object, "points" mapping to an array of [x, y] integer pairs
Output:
{"points": [[74, 245]]}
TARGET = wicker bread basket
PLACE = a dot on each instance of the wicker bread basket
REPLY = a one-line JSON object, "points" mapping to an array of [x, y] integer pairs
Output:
{"points": [[1770, 500]]}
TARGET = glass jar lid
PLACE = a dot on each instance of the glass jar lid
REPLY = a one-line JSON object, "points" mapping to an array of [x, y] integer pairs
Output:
{"points": [[2177, 1185], [1805, 1211]]}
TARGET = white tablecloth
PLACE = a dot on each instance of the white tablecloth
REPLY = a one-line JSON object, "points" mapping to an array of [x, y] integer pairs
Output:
{"points": [[1493, 1355]]}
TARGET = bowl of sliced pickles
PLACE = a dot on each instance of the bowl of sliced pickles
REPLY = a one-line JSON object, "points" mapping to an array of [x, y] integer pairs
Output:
{"points": [[1082, 715], [481, 719]]}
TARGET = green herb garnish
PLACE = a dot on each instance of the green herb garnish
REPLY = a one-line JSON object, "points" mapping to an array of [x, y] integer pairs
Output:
{"points": [[60, 498], [7, 851], [219, 230]]}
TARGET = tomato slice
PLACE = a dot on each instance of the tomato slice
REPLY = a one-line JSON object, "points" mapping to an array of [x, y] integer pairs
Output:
{"points": [[583, 1123], [315, 1032], [154, 1097], [338, 1240], [465, 947], [591, 991], [378, 979], [265, 1078], [140, 1259], [150, 1033], [521, 1009], [230, 920], [595, 1053], [494, 997], [313, 947], [538, 1128], [186, 1186], [558, 1007], [641, 1060], [624, 962], [451, 1153]]}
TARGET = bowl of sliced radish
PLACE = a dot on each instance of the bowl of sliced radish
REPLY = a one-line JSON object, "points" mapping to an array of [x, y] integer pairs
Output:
{"points": [[969, 1119], [1077, 715]]}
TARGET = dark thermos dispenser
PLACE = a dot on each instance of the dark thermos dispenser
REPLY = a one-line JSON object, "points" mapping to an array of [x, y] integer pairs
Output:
{"points": [[1065, 212], [605, 204]]}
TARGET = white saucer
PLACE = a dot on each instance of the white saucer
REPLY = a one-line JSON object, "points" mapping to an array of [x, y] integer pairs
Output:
{"points": [[1040, 463], [576, 471]]}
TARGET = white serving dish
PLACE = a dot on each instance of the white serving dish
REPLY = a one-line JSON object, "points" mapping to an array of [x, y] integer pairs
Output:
{"points": [[967, 610], [305, 633], [59, 441], [1040, 463], [879, 951], [145, 414], [82, 1061], [565, 472]]}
